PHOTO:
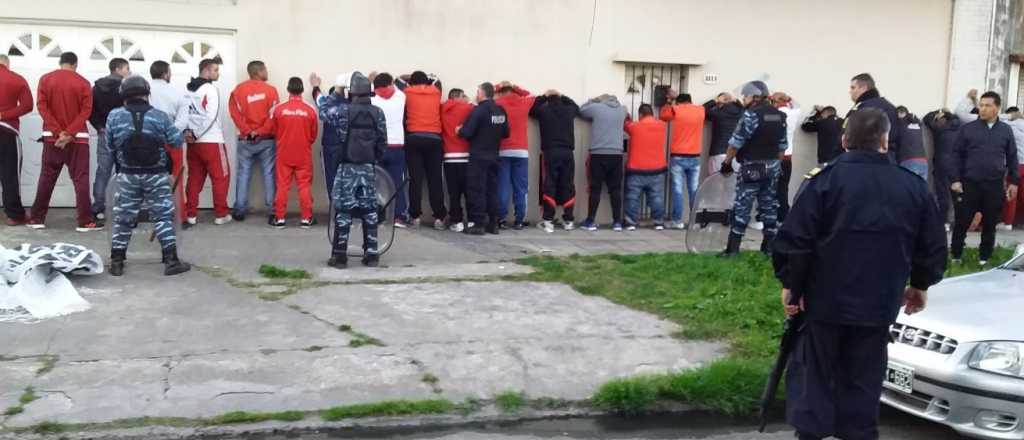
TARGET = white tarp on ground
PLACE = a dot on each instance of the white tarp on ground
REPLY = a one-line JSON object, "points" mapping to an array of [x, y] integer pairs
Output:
{"points": [[33, 282]]}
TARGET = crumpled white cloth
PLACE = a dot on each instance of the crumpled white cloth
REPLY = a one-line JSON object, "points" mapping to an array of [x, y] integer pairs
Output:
{"points": [[32, 277]]}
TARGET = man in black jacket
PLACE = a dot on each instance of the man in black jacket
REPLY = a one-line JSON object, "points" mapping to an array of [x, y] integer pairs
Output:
{"points": [[556, 115], [911, 154], [944, 126], [829, 128], [984, 157], [106, 96], [484, 128], [724, 113], [865, 95], [859, 230]]}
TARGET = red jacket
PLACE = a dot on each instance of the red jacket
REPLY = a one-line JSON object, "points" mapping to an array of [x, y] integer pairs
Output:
{"points": [[250, 105], [517, 106], [15, 97], [423, 109], [646, 153], [294, 125], [65, 102], [453, 114], [687, 127]]}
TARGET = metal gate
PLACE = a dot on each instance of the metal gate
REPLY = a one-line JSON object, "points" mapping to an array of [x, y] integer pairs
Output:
{"points": [[649, 84]]}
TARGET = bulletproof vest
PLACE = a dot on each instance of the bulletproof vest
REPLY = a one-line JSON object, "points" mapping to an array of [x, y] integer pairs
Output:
{"points": [[141, 153], [361, 140], [764, 143]]}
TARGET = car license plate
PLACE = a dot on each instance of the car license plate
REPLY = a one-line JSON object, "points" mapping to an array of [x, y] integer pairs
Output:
{"points": [[899, 378]]}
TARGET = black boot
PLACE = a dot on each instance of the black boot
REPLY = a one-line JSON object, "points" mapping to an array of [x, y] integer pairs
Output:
{"points": [[733, 248], [172, 265], [371, 260], [338, 261], [117, 257], [476, 229], [493, 227], [766, 243]]}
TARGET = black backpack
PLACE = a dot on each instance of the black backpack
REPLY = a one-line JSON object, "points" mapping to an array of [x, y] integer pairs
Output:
{"points": [[361, 140], [142, 151]]}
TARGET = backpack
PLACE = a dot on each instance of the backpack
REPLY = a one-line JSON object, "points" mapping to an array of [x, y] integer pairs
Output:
{"points": [[361, 139], [142, 152]]}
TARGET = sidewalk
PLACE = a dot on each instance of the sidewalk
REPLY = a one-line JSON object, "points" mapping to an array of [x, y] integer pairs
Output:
{"points": [[221, 339]]}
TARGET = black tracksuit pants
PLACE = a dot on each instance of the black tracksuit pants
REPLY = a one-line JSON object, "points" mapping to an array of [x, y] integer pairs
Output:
{"points": [[986, 197], [455, 180], [10, 170], [559, 169], [942, 192], [605, 170], [424, 156], [834, 380], [482, 189]]}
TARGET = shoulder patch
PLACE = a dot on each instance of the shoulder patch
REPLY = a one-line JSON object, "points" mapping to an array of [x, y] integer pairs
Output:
{"points": [[815, 171]]}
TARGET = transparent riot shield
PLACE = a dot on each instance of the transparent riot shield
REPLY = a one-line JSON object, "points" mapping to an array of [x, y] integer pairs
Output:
{"points": [[143, 241], [386, 192], [711, 214]]}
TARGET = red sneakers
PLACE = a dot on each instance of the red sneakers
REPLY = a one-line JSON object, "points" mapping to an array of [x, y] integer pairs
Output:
{"points": [[90, 227], [15, 222]]}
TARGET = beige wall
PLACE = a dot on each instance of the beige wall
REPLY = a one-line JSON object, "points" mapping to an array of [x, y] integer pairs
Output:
{"points": [[809, 48]]}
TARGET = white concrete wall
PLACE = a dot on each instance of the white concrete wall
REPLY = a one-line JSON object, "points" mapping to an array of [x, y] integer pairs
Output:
{"points": [[969, 52], [809, 48]]}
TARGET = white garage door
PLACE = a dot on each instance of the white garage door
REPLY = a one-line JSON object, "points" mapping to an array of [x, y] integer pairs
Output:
{"points": [[35, 49]]}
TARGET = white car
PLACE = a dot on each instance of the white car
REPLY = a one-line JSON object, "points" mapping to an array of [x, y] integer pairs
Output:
{"points": [[960, 362]]}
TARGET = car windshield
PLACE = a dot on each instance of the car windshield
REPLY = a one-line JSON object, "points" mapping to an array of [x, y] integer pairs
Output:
{"points": [[1016, 264]]}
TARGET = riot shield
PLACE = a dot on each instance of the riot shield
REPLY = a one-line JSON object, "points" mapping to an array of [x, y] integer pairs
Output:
{"points": [[386, 192], [143, 234], [711, 214]]}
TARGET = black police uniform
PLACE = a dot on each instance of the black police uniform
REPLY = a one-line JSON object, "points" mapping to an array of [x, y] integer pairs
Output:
{"points": [[858, 230], [484, 128]]}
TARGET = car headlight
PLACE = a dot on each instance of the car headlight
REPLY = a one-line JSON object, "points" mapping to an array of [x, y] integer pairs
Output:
{"points": [[1006, 358]]}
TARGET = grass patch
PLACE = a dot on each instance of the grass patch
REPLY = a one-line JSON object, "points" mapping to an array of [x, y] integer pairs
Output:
{"points": [[344, 328], [49, 363], [313, 348], [236, 417], [430, 379], [14, 410], [49, 428], [732, 300], [387, 408], [28, 396], [274, 272], [510, 401], [360, 340]]}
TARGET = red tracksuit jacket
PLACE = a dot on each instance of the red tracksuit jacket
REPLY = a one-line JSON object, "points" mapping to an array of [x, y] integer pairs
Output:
{"points": [[295, 126], [517, 105], [250, 106], [453, 114], [65, 103], [15, 97]]}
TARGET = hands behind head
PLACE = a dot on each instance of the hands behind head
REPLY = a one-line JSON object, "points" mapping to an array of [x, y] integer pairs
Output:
{"points": [[552, 92], [315, 80], [972, 94]]}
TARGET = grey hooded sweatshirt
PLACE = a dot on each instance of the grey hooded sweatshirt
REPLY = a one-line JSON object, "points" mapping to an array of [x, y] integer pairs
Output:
{"points": [[608, 118]]}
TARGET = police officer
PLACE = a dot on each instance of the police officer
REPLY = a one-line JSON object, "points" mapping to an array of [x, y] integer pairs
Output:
{"points": [[759, 142], [137, 133], [484, 128], [859, 229], [354, 194]]}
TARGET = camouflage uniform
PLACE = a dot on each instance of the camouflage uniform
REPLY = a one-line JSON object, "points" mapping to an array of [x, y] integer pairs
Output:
{"points": [[765, 191], [355, 195], [151, 186], [333, 110]]}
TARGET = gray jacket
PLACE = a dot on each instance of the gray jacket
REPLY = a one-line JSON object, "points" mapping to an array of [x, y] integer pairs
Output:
{"points": [[608, 118]]}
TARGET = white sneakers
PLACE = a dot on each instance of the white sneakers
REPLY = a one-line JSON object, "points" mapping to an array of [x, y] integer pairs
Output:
{"points": [[546, 226], [1004, 227], [457, 227], [222, 220], [192, 220], [659, 227], [678, 225], [568, 226], [438, 225]]}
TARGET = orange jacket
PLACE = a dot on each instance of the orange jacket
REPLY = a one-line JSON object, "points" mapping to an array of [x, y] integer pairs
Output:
{"points": [[294, 124], [250, 106], [687, 128], [422, 109], [646, 153], [453, 114]]}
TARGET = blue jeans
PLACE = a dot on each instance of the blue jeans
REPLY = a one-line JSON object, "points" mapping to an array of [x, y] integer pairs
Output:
{"points": [[104, 170], [513, 181], [653, 186], [266, 153], [919, 167], [685, 170], [394, 163]]}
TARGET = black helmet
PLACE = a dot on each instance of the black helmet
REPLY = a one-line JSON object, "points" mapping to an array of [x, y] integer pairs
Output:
{"points": [[755, 88], [134, 86], [359, 85]]}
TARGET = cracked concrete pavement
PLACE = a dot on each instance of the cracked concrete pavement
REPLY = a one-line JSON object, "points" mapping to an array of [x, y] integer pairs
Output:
{"points": [[197, 346]]}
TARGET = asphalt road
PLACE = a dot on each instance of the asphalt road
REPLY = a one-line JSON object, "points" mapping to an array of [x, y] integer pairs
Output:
{"points": [[895, 426]]}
